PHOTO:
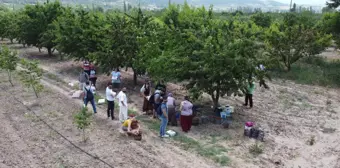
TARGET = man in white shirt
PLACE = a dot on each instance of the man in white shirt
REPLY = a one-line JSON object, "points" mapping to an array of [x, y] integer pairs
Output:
{"points": [[123, 108], [110, 97]]}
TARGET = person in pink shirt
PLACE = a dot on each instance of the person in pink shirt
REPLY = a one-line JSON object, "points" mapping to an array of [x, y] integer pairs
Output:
{"points": [[186, 114]]}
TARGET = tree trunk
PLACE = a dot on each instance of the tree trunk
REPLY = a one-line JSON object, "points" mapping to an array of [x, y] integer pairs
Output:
{"points": [[11, 41], [61, 56], [215, 103], [10, 77], [39, 49], [215, 99], [134, 77], [49, 50], [289, 67], [35, 92]]}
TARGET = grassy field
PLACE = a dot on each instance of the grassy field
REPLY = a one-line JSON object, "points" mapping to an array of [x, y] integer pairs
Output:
{"points": [[312, 71]]}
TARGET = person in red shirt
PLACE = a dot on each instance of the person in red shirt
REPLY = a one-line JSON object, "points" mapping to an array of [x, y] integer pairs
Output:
{"points": [[86, 67]]}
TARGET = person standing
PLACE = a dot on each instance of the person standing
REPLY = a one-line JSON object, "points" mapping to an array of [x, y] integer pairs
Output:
{"points": [[171, 103], [93, 77], [110, 97], [145, 92], [86, 67], [261, 75], [83, 78], [186, 114], [249, 94], [164, 118], [123, 107], [157, 102], [116, 78], [89, 96]]}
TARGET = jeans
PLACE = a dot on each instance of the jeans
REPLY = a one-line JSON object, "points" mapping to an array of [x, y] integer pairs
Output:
{"points": [[110, 109], [164, 123], [92, 103], [156, 105]]}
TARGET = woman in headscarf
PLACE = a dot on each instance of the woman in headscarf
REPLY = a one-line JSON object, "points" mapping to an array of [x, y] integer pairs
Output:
{"points": [[172, 110], [186, 114], [145, 92]]}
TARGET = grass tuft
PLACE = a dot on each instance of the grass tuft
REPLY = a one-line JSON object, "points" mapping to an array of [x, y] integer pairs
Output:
{"points": [[256, 149]]}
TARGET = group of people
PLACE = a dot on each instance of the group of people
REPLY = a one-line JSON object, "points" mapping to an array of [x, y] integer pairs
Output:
{"points": [[162, 105], [159, 104], [88, 74], [87, 83]]}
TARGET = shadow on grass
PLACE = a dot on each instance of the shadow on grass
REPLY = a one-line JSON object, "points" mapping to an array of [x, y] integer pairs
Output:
{"points": [[211, 151]]}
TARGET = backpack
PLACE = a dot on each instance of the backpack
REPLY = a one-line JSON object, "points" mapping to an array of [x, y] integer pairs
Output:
{"points": [[152, 98], [159, 110], [89, 94]]}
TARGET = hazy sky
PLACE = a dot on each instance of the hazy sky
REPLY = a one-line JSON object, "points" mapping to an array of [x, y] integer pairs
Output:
{"points": [[312, 2]]}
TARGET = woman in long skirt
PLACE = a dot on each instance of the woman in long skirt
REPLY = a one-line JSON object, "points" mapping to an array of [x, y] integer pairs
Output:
{"points": [[145, 92], [186, 114]]}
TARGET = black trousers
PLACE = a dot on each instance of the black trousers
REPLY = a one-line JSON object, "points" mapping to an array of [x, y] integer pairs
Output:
{"points": [[262, 82], [249, 97], [93, 81], [110, 109]]}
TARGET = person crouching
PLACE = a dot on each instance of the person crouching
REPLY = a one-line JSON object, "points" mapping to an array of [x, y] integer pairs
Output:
{"points": [[132, 128]]}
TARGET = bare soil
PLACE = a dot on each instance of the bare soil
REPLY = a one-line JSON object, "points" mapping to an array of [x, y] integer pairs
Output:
{"points": [[291, 115]]}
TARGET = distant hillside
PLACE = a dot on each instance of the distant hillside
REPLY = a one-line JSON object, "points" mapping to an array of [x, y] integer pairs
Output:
{"points": [[218, 2], [157, 4]]}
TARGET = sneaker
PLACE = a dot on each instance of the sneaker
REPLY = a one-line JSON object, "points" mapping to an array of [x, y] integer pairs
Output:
{"points": [[165, 136]]}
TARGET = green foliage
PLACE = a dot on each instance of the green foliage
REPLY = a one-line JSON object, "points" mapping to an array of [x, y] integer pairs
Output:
{"points": [[261, 19], [212, 55], [83, 120], [9, 25], [330, 23], [293, 39], [8, 61], [30, 74], [79, 33], [36, 26], [333, 3]]}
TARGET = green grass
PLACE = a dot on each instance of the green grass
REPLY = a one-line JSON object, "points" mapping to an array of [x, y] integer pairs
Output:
{"points": [[132, 112], [312, 71], [210, 150], [97, 97], [256, 149], [54, 77]]}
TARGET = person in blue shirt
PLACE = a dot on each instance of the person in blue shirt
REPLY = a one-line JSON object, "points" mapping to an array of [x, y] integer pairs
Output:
{"points": [[116, 78], [164, 118]]}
